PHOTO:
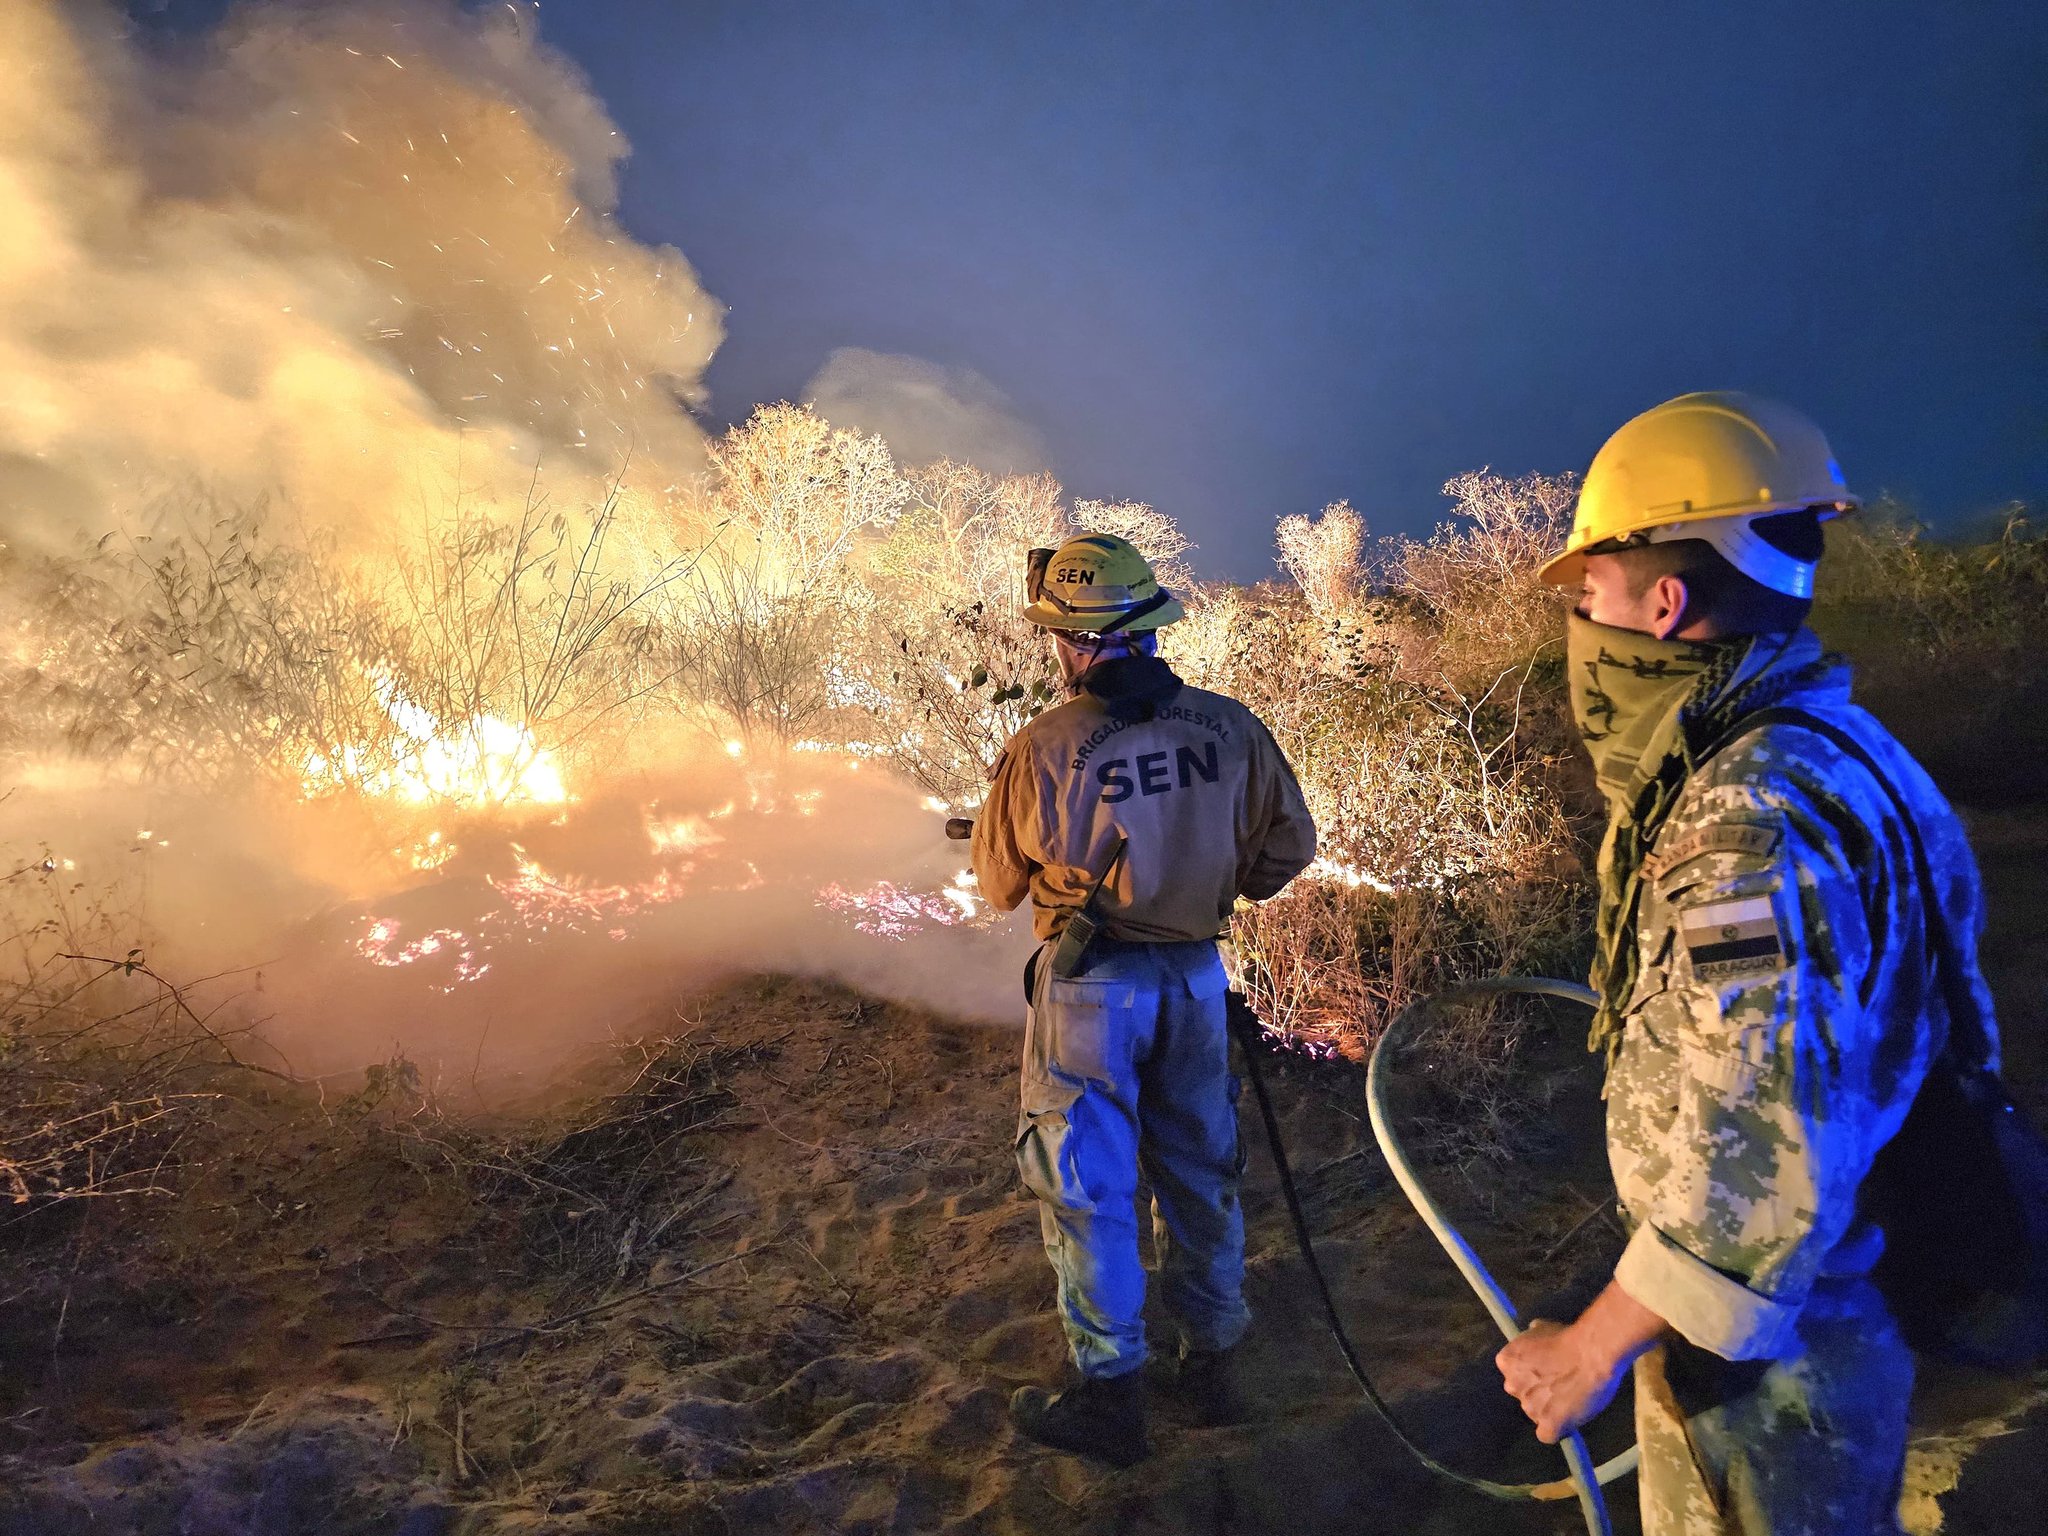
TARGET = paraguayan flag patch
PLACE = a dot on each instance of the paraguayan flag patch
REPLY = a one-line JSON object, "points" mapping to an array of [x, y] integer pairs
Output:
{"points": [[1735, 937]]}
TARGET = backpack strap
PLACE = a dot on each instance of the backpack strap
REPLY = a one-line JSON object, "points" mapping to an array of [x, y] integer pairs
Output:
{"points": [[1959, 1005]]}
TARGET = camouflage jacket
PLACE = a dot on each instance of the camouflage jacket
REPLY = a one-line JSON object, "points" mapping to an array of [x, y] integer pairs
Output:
{"points": [[1786, 1013]]}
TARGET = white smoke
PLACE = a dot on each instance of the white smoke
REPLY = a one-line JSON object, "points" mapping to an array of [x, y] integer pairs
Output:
{"points": [[359, 260], [925, 411], [360, 257], [537, 938]]}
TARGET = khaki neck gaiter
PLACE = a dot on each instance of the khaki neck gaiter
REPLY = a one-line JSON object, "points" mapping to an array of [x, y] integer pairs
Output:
{"points": [[1639, 703], [1627, 690]]}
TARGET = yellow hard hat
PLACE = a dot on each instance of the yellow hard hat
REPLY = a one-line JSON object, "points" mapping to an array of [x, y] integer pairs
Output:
{"points": [[1097, 584], [1702, 466]]}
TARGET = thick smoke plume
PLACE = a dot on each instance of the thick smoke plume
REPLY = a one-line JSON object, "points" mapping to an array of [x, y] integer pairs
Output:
{"points": [[354, 256], [348, 504], [925, 411]]}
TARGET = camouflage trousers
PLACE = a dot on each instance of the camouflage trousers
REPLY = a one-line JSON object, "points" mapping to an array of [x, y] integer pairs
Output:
{"points": [[1812, 1445]]}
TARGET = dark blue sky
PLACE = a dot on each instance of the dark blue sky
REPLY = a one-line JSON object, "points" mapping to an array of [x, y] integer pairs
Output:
{"points": [[1238, 261]]}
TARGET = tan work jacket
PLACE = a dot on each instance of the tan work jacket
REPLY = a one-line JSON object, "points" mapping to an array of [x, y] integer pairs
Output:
{"points": [[1192, 779]]}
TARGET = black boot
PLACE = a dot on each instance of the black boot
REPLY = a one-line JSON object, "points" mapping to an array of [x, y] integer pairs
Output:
{"points": [[1102, 1416], [1207, 1383]]}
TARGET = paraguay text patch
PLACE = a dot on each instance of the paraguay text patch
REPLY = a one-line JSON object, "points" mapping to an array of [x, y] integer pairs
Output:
{"points": [[1737, 936]]}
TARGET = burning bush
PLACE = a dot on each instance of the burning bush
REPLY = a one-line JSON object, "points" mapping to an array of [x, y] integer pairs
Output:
{"points": [[495, 663]]}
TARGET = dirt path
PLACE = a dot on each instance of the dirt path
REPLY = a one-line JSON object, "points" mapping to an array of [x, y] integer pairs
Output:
{"points": [[776, 1276], [363, 1326]]}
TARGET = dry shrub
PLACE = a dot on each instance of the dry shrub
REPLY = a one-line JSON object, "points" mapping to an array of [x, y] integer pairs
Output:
{"points": [[1474, 578], [106, 1068], [944, 669], [1155, 534], [803, 490], [747, 657], [1946, 638], [202, 643], [772, 602], [1326, 556], [1414, 686]]}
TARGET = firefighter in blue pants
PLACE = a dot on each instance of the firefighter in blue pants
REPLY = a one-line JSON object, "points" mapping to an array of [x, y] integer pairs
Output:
{"points": [[1153, 806]]}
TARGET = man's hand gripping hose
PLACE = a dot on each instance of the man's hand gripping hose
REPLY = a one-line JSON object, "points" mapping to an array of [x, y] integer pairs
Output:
{"points": [[1585, 1480]]}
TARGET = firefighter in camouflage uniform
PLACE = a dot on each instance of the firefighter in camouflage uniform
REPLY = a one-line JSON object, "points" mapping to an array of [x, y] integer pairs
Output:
{"points": [[1767, 979]]}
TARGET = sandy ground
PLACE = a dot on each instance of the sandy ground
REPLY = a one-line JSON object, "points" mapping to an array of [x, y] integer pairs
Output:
{"points": [[774, 1274]]}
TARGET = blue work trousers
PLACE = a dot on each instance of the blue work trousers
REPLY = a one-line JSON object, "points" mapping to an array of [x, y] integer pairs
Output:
{"points": [[1128, 1064]]}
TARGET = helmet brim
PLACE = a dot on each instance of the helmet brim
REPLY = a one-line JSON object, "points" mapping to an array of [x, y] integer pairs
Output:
{"points": [[1568, 568], [1046, 616]]}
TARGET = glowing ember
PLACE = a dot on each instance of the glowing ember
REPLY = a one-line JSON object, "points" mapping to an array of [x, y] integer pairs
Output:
{"points": [[1315, 1047], [889, 911], [538, 900], [533, 904], [380, 945]]}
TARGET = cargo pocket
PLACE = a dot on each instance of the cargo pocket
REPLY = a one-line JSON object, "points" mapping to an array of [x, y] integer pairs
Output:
{"points": [[1730, 1069], [1043, 1131], [1681, 1024], [1731, 971], [1085, 1029], [1207, 981]]}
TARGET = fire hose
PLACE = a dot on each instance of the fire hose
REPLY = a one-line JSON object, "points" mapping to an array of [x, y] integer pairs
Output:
{"points": [[1584, 1479]]}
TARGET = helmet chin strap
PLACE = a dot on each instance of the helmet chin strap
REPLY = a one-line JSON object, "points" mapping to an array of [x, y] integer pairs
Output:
{"points": [[1121, 623], [1747, 550], [1095, 644]]}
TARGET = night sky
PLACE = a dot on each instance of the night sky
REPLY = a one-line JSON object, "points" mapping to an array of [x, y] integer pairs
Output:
{"points": [[1238, 261]]}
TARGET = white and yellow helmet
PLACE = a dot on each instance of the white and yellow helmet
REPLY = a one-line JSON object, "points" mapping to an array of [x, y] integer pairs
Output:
{"points": [[1096, 584], [1706, 466]]}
